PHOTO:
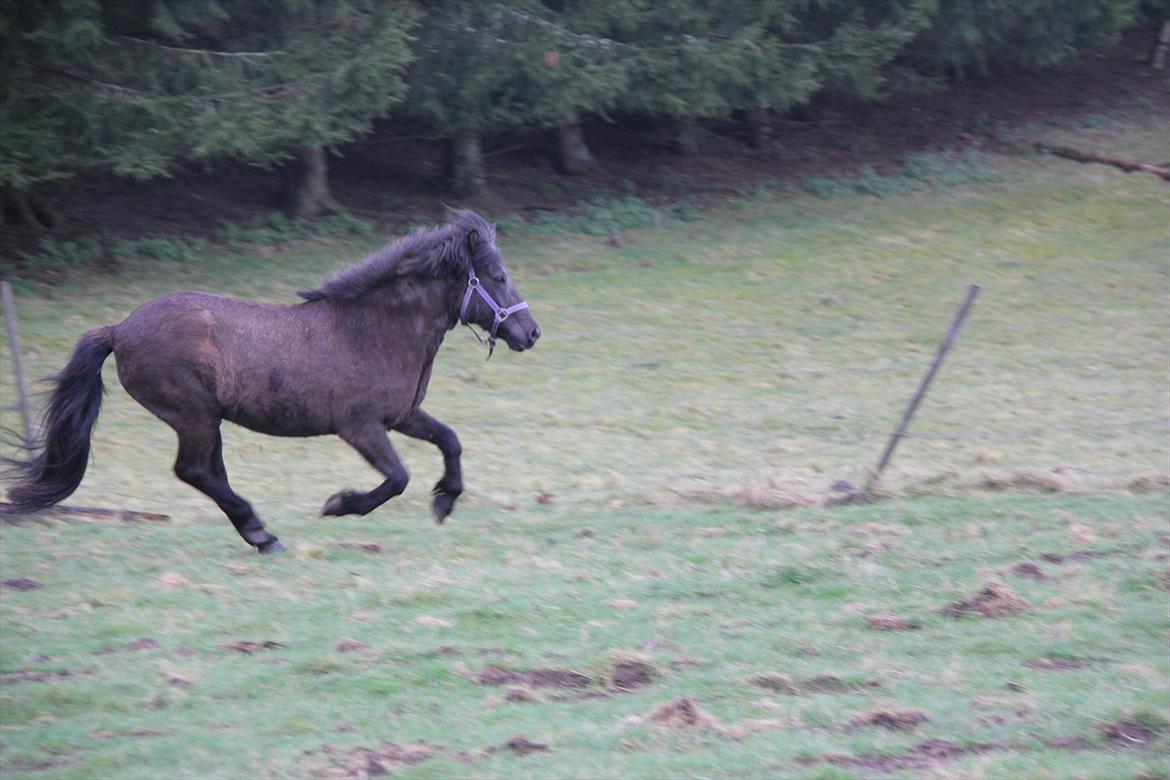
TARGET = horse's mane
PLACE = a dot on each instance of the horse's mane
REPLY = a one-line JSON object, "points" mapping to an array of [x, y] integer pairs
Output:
{"points": [[426, 252]]}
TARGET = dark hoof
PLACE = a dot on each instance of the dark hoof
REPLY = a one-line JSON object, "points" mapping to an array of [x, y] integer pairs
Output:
{"points": [[441, 506], [271, 548], [339, 504]]}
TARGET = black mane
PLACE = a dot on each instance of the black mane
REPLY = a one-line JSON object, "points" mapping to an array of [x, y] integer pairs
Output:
{"points": [[425, 252]]}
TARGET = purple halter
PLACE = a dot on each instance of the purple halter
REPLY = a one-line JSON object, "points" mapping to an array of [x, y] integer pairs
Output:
{"points": [[473, 286]]}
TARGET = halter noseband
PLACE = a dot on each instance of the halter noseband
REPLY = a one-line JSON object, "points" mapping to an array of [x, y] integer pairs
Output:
{"points": [[502, 313]]}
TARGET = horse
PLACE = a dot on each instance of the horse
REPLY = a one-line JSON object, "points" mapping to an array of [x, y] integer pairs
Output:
{"points": [[353, 358]]}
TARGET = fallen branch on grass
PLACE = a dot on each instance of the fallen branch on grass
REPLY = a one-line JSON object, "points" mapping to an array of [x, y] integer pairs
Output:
{"points": [[1129, 166], [6, 511]]}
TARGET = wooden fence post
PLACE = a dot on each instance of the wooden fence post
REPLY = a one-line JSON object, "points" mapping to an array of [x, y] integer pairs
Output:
{"points": [[17, 359]]}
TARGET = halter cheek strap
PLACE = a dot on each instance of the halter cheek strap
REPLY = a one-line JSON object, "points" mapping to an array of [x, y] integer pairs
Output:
{"points": [[502, 313]]}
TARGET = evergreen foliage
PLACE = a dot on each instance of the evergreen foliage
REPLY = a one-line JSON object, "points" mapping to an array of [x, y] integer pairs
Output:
{"points": [[977, 37], [133, 87]]}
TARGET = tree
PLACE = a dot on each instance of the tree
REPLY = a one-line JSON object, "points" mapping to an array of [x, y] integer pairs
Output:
{"points": [[692, 60], [488, 67], [976, 37], [135, 87]]}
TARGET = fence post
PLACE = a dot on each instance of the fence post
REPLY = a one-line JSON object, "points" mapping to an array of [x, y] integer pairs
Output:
{"points": [[943, 348], [17, 359]]}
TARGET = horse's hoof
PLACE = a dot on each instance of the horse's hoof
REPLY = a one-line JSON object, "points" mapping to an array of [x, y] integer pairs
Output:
{"points": [[271, 548], [337, 504], [441, 506]]}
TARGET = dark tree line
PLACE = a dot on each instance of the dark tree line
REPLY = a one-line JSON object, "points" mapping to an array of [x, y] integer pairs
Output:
{"points": [[134, 87]]}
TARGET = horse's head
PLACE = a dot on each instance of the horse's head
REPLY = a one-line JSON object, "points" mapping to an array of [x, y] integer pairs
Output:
{"points": [[491, 300]]}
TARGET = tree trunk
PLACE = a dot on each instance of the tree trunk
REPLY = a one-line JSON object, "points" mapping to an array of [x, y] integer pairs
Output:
{"points": [[572, 154], [1158, 56], [306, 184], [464, 165], [759, 127], [686, 137], [22, 208]]}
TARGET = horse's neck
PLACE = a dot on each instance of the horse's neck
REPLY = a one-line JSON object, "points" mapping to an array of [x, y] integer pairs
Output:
{"points": [[420, 310]]}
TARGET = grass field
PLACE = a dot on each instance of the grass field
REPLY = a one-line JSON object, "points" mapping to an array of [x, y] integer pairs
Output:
{"points": [[697, 391]]}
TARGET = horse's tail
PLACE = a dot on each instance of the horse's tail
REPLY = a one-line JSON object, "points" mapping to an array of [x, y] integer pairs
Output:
{"points": [[55, 461]]}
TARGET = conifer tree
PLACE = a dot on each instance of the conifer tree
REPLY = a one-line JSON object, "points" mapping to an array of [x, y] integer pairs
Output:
{"points": [[135, 87]]}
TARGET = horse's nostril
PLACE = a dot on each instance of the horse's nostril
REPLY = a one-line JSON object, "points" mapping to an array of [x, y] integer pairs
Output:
{"points": [[535, 334]]}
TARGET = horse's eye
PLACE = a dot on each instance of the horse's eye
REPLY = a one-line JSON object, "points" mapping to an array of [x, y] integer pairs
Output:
{"points": [[500, 279]]}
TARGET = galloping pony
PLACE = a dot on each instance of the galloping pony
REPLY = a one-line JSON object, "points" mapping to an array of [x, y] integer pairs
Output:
{"points": [[353, 359]]}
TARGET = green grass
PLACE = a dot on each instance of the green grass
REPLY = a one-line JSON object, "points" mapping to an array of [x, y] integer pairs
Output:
{"points": [[763, 351]]}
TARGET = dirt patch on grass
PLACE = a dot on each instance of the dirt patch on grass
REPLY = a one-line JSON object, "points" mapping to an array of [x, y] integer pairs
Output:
{"points": [[890, 621], [627, 675], [1041, 480], [18, 676], [895, 720], [22, 584], [1129, 734], [1079, 555], [367, 547], [350, 646], [995, 600], [144, 643], [1060, 663], [1071, 744], [822, 683], [362, 762], [522, 746], [533, 678], [1149, 483], [682, 714], [522, 696], [923, 756], [1030, 571], [248, 647]]}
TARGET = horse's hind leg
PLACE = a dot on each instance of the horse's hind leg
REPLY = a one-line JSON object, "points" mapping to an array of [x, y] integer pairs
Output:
{"points": [[200, 465], [420, 425], [375, 447]]}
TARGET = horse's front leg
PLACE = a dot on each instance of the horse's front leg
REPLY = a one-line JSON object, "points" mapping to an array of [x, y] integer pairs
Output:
{"points": [[374, 446], [420, 425]]}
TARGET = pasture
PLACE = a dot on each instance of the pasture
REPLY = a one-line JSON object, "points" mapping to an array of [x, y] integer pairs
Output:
{"points": [[644, 526]]}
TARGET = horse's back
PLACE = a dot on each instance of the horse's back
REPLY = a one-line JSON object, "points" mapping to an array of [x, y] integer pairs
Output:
{"points": [[169, 350]]}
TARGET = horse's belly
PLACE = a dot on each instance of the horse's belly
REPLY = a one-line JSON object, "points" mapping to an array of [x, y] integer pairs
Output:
{"points": [[284, 417]]}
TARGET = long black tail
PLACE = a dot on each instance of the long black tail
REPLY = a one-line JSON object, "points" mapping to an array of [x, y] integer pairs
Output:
{"points": [[57, 459]]}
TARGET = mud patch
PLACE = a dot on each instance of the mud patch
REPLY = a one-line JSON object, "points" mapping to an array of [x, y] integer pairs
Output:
{"points": [[1029, 570], [145, 643], [923, 756], [895, 720], [522, 746], [1149, 483], [1024, 479], [533, 678], [521, 696], [372, 548], [32, 675], [22, 584], [994, 601], [823, 683], [350, 646], [628, 675], [1079, 555], [1129, 734], [248, 647], [1069, 663], [361, 763], [683, 714], [890, 621]]}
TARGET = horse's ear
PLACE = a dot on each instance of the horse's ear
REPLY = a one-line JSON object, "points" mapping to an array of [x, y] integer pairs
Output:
{"points": [[473, 238]]}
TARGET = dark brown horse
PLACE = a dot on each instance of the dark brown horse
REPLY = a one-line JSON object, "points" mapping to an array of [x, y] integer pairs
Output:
{"points": [[354, 359]]}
